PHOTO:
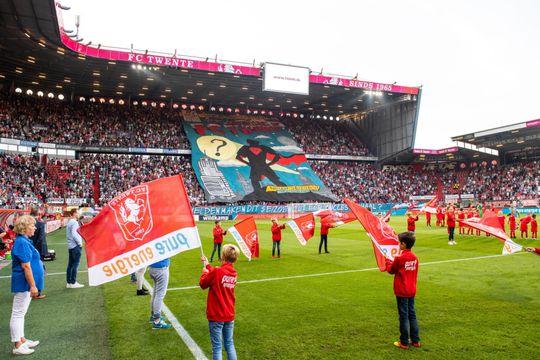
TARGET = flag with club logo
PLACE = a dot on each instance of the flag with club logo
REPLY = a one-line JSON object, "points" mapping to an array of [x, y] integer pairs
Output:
{"points": [[246, 235], [430, 206], [511, 247], [303, 227], [143, 225], [384, 239], [337, 218]]}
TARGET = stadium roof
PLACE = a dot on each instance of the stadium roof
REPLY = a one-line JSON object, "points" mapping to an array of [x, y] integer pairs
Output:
{"points": [[517, 141], [467, 153], [39, 54]]}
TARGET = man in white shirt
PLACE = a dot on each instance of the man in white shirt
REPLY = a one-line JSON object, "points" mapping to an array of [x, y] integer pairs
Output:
{"points": [[74, 241]]}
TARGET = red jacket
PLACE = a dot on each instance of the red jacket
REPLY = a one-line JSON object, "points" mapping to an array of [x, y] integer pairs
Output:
{"points": [[534, 225], [451, 220], [512, 222], [524, 222], [276, 231], [220, 302], [411, 223], [324, 228], [218, 235], [405, 268], [537, 250]]}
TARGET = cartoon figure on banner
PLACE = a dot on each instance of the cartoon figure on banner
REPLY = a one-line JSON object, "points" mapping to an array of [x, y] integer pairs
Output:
{"points": [[133, 214], [228, 69], [255, 156]]}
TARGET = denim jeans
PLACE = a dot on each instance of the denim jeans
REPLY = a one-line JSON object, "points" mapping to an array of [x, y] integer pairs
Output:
{"points": [[161, 281], [73, 264], [218, 248], [216, 330], [407, 320], [451, 233], [324, 240], [278, 245]]}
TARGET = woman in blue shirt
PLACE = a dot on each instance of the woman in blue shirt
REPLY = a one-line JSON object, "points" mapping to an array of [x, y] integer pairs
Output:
{"points": [[26, 278]]}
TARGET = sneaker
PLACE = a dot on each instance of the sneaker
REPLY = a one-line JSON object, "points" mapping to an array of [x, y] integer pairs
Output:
{"points": [[23, 350], [40, 297], [76, 286], [455, 242], [31, 343], [279, 256], [450, 243], [416, 344], [400, 345], [272, 256], [161, 318], [68, 286], [142, 292], [160, 325]]}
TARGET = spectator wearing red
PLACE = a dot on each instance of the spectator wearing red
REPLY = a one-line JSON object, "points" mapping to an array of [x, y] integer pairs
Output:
{"points": [[218, 239], [534, 227], [411, 222], [451, 223], [276, 237]]}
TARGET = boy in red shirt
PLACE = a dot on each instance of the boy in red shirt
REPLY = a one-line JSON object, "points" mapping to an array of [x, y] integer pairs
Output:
{"points": [[512, 223], [451, 223], [524, 226], [405, 268], [324, 237], [276, 237], [461, 216], [220, 302], [218, 240], [470, 214], [411, 222], [428, 218], [534, 227]]}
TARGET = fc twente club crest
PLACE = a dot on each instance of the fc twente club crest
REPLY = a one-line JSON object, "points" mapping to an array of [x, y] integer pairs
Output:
{"points": [[133, 213]]}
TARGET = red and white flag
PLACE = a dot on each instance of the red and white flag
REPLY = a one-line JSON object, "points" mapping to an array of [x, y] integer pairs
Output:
{"points": [[430, 206], [246, 235], [303, 227], [336, 219], [386, 217], [143, 225], [384, 239], [490, 224]]}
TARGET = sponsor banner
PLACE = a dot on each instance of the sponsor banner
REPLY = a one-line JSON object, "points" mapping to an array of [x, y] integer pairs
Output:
{"points": [[421, 197], [28, 143], [451, 197], [214, 217], [51, 226], [286, 79], [246, 159], [533, 123], [467, 196], [530, 202], [74, 201], [55, 201], [341, 157], [47, 145], [436, 152], [246, 235], [143, 225], [360, 84], [303, 227], [10, 141]]}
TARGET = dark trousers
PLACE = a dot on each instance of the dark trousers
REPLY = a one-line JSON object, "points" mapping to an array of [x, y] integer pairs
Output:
{"points": [[218, 248], [451, 233], [278, 245], [73, 264], [324, 240], [407, 320]]}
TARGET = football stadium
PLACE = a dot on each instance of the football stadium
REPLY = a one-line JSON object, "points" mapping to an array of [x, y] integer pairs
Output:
{"points": [[165, 206]]}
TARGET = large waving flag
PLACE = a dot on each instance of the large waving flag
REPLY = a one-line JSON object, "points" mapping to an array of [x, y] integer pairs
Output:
{"points": [[384, 239], [490, 224], [143, 225], [430, 206], [246, 235], [336, 219], [303, 227]]}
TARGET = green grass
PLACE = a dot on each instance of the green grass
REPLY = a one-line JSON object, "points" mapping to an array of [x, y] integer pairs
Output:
{"points": [[479, 309]]}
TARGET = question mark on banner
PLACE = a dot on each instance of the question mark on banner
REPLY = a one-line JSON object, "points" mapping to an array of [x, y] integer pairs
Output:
{"points": [[223, 143]]}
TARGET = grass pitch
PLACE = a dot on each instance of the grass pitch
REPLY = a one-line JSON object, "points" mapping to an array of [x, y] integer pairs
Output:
{"points": [[467, 308]]}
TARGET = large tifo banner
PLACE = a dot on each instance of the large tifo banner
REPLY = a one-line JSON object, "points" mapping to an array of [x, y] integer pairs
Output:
{"points": [[245, 158], [143, 225]]}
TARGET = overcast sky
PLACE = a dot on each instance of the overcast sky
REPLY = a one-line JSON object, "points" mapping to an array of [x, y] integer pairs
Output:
{"points": [[478, 61]]}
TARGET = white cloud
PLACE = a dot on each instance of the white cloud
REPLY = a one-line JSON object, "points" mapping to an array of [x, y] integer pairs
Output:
{"points": [[294, 149]]}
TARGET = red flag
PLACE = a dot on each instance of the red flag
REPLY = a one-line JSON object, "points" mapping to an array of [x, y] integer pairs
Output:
{"points": [[337, 219], [245, 234], [323, 213], [430, 206], [386, 217], [143, 225], [488, 223], [384, 239], [303, 227]]}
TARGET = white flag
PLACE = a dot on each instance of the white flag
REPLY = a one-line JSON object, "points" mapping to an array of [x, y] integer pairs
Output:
{"points": [[511, 247]]}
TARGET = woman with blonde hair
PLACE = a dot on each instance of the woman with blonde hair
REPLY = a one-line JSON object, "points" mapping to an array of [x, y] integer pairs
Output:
{"points": [[26, 278]]}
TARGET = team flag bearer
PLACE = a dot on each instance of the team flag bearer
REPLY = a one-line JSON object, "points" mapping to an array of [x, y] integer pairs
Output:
{"points": [[141, 226], [246, 235]]}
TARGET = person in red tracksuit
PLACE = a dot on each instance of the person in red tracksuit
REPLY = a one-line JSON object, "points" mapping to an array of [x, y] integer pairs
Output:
{"points": [[276, 237], [411, 222], [461, 216], [220, 302], [534, 227], [524, 226], [451, 223], [512, 224], [324, 237], [405, 269], [428, 218], [218, 240], [533, 250]]}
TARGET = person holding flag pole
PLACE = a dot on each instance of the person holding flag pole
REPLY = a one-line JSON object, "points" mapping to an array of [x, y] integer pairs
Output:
{"points": [[276, 237]]}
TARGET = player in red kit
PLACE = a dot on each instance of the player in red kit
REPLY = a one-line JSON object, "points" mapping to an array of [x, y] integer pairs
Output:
{"points": [[461, 216], [500, 217], [534, 227], [428, 218], [451, 223], [276, 237], [470, 214], [524, 226], [512, 224], [411, 222]]}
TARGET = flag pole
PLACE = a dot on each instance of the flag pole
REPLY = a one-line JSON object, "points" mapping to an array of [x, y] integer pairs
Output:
{"points": [[187, 197]]}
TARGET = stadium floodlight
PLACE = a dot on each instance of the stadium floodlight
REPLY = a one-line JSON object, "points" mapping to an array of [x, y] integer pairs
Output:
{"points": [[111, 101], [40, 93], [229, 110], [201, 108], [121, 102], [248, 111], [220, 109], [271, 113], [82, 99], [139, 67], [29, 92], [135, 103], [154, 104], [192, 107], [50, 95], [213, 108], [255, 112], [331, 118], [175, 106], [102, 100], [318, 116], [61, 97], [324, 117], [133, 66], [144, 103]]}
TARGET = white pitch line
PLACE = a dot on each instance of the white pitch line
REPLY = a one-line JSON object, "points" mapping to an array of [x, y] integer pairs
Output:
{"points": [[186, 338], [339, 272], [47, 274]]}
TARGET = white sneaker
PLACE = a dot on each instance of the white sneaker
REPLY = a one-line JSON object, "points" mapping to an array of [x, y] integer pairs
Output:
{"points": [[31, 343], [22, 350], [450, 243], [455, 243], [68, 286], [77, 285]]}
